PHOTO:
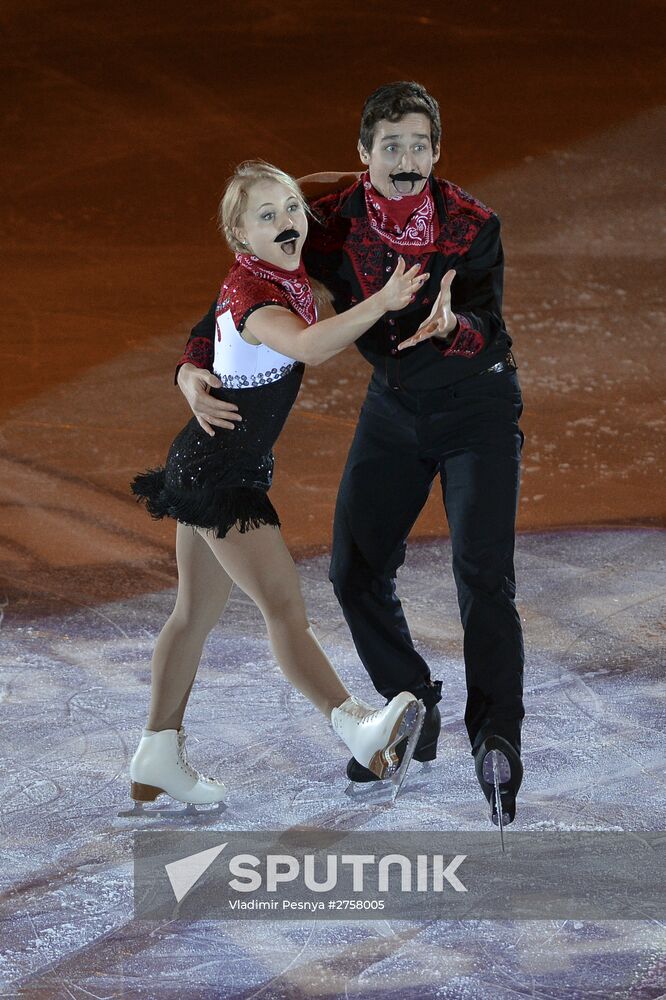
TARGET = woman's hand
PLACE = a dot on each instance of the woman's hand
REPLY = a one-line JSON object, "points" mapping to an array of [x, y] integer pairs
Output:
{"points": [[402, 286], [441, 321], [195, 383]]}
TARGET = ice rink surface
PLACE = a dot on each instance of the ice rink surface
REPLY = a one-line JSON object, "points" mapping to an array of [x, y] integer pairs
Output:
{"points": [[74, 692]]}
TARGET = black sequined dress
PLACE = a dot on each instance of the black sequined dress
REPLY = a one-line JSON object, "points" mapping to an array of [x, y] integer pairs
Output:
{"points": [[222, 481]]}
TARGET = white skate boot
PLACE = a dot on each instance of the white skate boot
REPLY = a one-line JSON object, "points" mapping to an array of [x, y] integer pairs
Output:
{"points": [[160, 766], [372, 734]]}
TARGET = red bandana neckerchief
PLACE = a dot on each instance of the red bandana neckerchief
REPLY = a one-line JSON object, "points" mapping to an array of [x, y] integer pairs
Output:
{"points": [[408, 224], [295, 284]]}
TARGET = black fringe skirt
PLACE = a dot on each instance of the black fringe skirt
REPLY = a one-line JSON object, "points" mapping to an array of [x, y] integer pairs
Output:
{"points": [[218, 510], [206, 485]]}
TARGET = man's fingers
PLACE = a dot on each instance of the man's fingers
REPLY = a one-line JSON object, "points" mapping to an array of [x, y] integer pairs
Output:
{"points": [[225, 424], [206, 426], [209, 425], [208, 407], [218, 416], [438, 318], [200, 384], [423, 333], [203, 375], [222, 403], [230, 410], [447, 281], [435, 309], [428, 328], [191, 379]]}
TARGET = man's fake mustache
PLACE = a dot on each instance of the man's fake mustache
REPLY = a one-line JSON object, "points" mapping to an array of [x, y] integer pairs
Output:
{"points": [[286, 235], [411, 176]]}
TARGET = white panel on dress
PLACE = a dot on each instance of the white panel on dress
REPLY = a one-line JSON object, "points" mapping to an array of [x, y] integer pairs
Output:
{"points": [[240, 365]]}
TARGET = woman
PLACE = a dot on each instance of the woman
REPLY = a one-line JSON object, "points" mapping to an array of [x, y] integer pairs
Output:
{"points": [[215, 485]]}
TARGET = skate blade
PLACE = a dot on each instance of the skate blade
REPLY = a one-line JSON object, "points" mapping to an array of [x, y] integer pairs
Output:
{"points": [[385, 762], [497, 810], [372, 791], [189, 811], [418, 713], [496, 759]]}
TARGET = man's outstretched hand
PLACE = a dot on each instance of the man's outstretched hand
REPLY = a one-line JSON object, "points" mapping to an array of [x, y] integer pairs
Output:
{"points": [[194, 383], [441, 321]]}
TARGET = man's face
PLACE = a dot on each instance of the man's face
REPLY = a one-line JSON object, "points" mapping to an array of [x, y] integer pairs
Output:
{"points": [[401, 157], [274, 224]]}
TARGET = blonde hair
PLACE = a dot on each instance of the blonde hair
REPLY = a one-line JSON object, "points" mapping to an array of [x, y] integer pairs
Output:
{"points": [[234, 199]]}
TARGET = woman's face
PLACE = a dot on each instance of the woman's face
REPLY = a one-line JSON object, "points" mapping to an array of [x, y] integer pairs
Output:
{"points": [[274, 224]]}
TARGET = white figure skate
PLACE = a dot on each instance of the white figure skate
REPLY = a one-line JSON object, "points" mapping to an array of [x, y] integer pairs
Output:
{"points": [[160, 767], [373, 734]]}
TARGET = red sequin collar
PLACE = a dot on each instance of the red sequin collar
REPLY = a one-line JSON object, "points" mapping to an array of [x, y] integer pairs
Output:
{"points": [[295, 284]]}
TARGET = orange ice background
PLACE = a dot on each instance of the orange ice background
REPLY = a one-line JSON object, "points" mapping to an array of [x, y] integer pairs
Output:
{"points": [[121, 123]]}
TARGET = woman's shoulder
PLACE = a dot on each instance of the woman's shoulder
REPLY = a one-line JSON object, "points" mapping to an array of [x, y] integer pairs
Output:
{"points": [[240, 280], [242, 292]]}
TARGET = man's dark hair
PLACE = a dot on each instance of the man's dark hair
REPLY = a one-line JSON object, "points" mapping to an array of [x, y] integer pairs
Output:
{"points": [[392, 102]]}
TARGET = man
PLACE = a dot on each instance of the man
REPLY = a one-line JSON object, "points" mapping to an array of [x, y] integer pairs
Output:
{"points": [[443, 398]]}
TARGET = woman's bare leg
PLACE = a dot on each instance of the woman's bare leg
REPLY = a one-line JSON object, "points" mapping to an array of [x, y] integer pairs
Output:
{"points": [[259, 563], [203, 591]]}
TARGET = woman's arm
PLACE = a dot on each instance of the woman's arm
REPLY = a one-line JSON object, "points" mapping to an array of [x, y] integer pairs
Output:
{"points": [[287, 333], [316, 185]]}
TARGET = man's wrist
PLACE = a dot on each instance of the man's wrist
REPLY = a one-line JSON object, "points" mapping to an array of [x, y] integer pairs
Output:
{"points": [[465, 341]]}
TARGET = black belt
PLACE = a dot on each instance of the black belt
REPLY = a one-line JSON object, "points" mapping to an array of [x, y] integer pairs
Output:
{"points": [[507, 364]]}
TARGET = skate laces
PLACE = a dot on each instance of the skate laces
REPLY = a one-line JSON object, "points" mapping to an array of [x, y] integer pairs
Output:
{"points": [[182, 753], [358, 710]]}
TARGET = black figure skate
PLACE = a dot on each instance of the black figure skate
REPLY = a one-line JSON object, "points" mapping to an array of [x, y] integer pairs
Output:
{"points": [[499, 772]]}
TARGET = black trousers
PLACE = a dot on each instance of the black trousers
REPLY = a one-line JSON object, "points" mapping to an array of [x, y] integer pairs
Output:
{"points": [[469, 434]]}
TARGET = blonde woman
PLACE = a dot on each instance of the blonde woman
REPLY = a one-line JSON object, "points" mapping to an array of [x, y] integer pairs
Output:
{"points": [[215, 484]]}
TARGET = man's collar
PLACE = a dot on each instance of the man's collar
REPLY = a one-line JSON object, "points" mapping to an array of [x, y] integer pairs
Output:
{"points": [[440, 204], [353, 207]]}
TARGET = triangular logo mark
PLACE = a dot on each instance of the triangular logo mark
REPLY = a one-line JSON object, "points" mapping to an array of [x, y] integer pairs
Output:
{"points": [[185, 873]]}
